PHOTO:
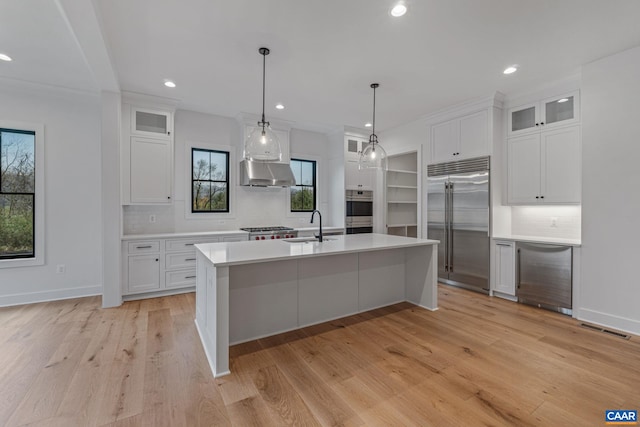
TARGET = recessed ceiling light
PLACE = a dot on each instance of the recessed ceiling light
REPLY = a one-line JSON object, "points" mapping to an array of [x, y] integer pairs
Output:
{"points": [[280, 106], [510, 70], [169, 83], [367, 125], [5, 57], [563, 100], [398, 10]]}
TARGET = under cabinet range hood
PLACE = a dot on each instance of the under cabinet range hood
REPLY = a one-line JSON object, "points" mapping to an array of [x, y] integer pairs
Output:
{"points": [[266, 174]]}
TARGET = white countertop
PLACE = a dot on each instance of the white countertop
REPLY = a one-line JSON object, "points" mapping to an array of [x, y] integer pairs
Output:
{"points": [[211, 233], [178, 235], [236, 253], [534, 239]]}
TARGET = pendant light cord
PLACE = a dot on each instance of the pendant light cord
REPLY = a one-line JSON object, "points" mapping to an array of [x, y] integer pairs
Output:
{"points": [[264, 68], [374, 138]]}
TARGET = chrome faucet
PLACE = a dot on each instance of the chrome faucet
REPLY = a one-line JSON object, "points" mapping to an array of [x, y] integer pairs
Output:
{"points": [[320, 215]]}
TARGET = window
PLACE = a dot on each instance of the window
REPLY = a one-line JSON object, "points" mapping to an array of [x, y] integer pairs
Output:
{"points": [[17, 193], [303, 194], [210, 180]]}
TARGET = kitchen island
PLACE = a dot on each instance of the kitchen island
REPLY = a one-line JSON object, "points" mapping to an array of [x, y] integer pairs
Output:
{"points": [[250, 290]]}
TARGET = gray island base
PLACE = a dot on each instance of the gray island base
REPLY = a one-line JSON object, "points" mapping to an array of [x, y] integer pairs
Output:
{"points": [[250, 290]]}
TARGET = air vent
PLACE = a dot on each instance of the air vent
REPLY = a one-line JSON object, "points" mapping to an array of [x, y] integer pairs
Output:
{"points": [[469, 165], [606, 331]]}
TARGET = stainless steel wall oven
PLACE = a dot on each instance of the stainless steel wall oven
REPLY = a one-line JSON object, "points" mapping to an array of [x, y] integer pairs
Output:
{"points": [[359, 211]]}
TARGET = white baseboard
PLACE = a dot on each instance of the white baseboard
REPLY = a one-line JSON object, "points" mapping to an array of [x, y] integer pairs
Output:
{"points": [[44, 296], [610, 321]]}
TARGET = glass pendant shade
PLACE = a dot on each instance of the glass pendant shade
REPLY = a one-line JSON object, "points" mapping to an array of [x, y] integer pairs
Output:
{"points": [[262, 145], [373, 156]]}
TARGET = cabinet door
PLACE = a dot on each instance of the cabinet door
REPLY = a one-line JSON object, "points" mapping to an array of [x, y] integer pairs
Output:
{"points": [[474, 136], [151, 123], [505, 268], [560, 110], [352, 148], [444, 141], [356, 179], [143, 273], [150, 170], [523, 119], [561, 171], [523, 183]]}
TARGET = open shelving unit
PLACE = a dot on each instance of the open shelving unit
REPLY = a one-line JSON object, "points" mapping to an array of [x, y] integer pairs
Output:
{"points": [[401, 194]]}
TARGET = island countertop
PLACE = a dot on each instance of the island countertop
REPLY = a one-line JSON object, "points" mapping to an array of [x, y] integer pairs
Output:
{"points": [[237, 253]]}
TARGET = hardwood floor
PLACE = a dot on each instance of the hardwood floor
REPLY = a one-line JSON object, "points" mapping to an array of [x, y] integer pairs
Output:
{"points": [[477, 361]]}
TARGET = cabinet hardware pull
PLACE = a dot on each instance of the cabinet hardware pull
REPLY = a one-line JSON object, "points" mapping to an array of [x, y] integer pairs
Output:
{"points": [[537, 197], [189, 244], [190, 277], [143, 247], [190, 259], [542, 123], [542, 197], [157, 260], [537, 124], [168, 197], [503, 244]]}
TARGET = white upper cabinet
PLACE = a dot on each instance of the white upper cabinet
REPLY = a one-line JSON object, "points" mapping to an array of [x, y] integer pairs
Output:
{"points": [[544, 167], [150, 177], [356, 179], [353, 146], [151, 123], [561, 110], [461, 138], [146, 155]]}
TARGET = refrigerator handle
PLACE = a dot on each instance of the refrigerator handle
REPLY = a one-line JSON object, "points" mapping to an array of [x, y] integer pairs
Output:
{"points": [[518, 268], [451, 226], [446, 226]]}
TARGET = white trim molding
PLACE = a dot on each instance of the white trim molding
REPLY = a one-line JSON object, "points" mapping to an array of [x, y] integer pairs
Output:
{"points": [[609, 320], [45, 296]]}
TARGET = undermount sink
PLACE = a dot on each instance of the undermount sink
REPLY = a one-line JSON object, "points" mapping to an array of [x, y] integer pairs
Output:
{"points": [[307, 240]]}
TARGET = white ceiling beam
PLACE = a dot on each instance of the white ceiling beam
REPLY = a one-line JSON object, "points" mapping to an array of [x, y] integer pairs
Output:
{"points": [[85, 27]]}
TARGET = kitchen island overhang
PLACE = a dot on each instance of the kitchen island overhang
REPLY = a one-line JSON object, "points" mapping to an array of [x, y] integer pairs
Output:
{"points": [[250, 290]]}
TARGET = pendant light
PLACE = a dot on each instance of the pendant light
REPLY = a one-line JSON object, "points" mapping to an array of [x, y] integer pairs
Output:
{"points": [[373, 155], [262, 144]]}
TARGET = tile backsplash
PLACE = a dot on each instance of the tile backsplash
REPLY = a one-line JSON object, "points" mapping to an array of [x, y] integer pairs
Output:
{"points": [[547, 221]]}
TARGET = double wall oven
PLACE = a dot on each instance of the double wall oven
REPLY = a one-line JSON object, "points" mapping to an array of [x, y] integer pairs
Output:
{"points": [[359, 212]]}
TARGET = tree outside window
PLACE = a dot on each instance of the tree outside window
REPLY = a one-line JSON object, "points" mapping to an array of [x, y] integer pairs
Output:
{"points": [[303, 194], [210, 181], [17, 193]]}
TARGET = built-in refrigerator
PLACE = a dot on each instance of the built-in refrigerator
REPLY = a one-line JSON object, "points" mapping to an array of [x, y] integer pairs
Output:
{"points": [[458, 216]]}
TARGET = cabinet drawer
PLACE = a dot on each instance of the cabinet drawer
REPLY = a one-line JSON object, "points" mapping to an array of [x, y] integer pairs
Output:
{"points": [[180, 260], [144, 247], [186, 245], [236, 238], [180, 279]]}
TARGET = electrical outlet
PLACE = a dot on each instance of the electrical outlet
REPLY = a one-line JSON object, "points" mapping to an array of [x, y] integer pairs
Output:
{"points": [[554, 221], [61, 268], [152, 219], [221, 222]]}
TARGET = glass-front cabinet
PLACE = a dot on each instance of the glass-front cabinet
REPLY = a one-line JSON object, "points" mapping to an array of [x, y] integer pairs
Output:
{"points": [[150, 123], [552, 112]]}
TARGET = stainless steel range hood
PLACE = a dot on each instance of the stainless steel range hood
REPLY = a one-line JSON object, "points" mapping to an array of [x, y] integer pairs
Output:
{"points": [[261, 174]]}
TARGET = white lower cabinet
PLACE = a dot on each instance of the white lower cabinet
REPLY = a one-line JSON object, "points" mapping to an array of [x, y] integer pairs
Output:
{"points": [[505, 278], [143, 273], [163, 265]]}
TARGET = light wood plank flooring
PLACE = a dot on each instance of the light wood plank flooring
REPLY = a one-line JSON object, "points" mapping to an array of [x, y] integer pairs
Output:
{"points": [[478, 361]]}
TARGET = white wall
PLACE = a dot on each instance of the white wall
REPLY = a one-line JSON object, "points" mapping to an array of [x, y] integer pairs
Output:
{"points": [[610, 293], [252, 206], [73, 219]]}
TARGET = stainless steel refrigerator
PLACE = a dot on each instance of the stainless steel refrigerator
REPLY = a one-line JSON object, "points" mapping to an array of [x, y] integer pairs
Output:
{"points": [[458, 216]]}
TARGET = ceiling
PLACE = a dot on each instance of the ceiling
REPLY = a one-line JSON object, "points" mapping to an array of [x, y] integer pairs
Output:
{"points": [[324, 53]]}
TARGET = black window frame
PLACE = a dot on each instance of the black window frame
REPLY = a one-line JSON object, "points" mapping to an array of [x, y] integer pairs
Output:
{"points": [[33, 196], [314, 187], [193, 181]]}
